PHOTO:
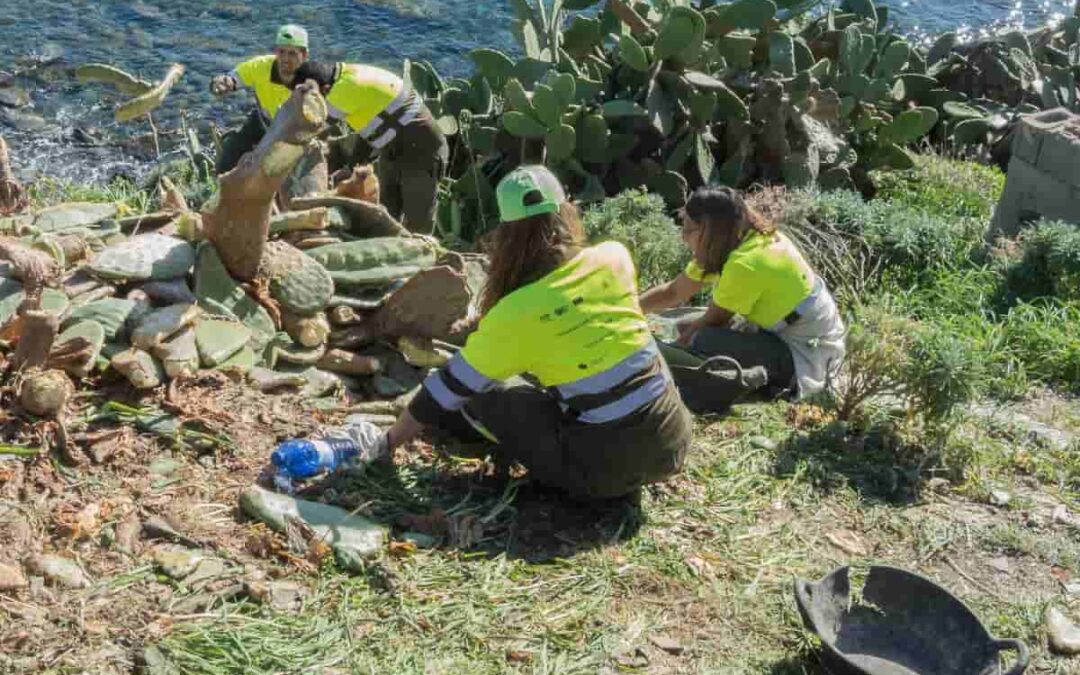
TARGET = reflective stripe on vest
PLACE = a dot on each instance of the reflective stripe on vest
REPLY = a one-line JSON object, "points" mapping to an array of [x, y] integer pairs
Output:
{"points": [[653, 389], [614, 376], [609, 381]]}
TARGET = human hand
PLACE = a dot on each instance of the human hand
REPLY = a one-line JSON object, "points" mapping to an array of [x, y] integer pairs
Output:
{"points": [[687, 331], [222, 84]]}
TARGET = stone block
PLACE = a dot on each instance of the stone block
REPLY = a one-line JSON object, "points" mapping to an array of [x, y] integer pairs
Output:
{"points": [[1044, 172]]}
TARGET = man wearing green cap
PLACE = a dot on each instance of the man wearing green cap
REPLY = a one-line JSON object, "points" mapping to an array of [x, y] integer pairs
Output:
{"points": [[270, 76], [608, 418]]}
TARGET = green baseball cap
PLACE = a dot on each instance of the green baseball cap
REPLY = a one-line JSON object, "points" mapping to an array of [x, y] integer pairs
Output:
{"points": [[528, 191], [291, 35]]}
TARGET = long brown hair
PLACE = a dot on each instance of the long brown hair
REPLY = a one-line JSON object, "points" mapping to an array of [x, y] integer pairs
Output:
{"points": [[726, 220], [525, 250]]}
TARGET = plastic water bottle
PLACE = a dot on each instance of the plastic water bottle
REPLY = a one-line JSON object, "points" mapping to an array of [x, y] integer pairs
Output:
{"points": [[358, 442]]}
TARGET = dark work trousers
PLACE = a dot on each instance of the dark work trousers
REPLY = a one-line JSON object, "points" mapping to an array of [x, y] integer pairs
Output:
{"points": [[760, 349], [586, 461], [238, 142], [409, 170]]}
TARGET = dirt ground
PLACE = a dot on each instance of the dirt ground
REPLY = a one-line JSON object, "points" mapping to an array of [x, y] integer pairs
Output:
{"points": [[708, 569]]}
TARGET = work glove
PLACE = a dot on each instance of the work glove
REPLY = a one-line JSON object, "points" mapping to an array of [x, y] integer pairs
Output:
{"points": [[222, 84]]}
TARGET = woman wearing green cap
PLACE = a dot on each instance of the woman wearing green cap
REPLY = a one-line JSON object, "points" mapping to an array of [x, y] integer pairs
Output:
{"points": [[270, 76], [606, 418]]}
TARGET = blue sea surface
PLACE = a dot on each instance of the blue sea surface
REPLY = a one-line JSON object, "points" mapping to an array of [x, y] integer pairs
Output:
{"points": [[210, 37]]}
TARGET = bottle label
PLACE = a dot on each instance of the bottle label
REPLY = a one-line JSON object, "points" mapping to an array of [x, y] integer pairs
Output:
{"points": [[326, 454]]}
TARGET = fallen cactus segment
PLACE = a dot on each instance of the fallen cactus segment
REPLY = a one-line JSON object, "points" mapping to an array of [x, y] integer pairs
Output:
{"points": [[91, 294]]}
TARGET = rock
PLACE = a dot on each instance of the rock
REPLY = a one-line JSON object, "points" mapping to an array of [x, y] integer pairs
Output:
{"points": [[1063, 634], [171, 292], [1000, 498], [177, 563], [664, 643], [351, 536], [1001, 564], [1072, 588], [1042, 177], [14, 97], [286, 596], [12, 578], [58, 570], [160, 324], [144, 257]]}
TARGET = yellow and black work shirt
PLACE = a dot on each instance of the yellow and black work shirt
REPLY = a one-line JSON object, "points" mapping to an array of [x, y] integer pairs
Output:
{"points": [[764, 279], [261, 74], [579, 331]]}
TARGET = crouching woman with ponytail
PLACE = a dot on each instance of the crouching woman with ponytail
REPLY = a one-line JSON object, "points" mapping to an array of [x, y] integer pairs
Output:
{"points": [[607, 419]]}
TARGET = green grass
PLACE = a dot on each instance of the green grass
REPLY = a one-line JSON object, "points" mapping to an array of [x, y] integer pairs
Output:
{"points": [[948, 188], [711, 566]]}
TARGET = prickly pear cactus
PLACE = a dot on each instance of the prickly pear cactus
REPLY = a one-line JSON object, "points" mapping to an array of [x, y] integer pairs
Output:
{"points": [[143, 257], [374, 262], [219, 340], [298, 282], [219, 293], [110, 313]]}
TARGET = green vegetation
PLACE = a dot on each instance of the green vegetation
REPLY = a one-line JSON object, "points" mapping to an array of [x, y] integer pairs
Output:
{"points": [[641, 222], [939, 319]]}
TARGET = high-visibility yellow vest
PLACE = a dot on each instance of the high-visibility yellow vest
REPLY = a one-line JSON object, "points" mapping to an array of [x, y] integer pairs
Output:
{"points": [[257, 74], [366, 96], [580, 332]]}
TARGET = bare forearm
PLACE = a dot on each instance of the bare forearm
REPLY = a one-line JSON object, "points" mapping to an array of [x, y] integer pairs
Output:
{"points": [[658, 299]]}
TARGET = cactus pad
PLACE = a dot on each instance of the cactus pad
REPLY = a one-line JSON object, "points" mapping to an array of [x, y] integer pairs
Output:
{"points": [[300, 284], [375, 262], [146, 256]]}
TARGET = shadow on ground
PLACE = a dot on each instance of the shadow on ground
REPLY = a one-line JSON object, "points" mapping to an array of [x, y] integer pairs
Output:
{"points": [[458, 504], [876, 463]]}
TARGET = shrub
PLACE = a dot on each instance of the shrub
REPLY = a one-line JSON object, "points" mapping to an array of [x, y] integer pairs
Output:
{"points": [[1047, 263], [640, 221], [945, 188], [906, 242], [926, 365]]}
